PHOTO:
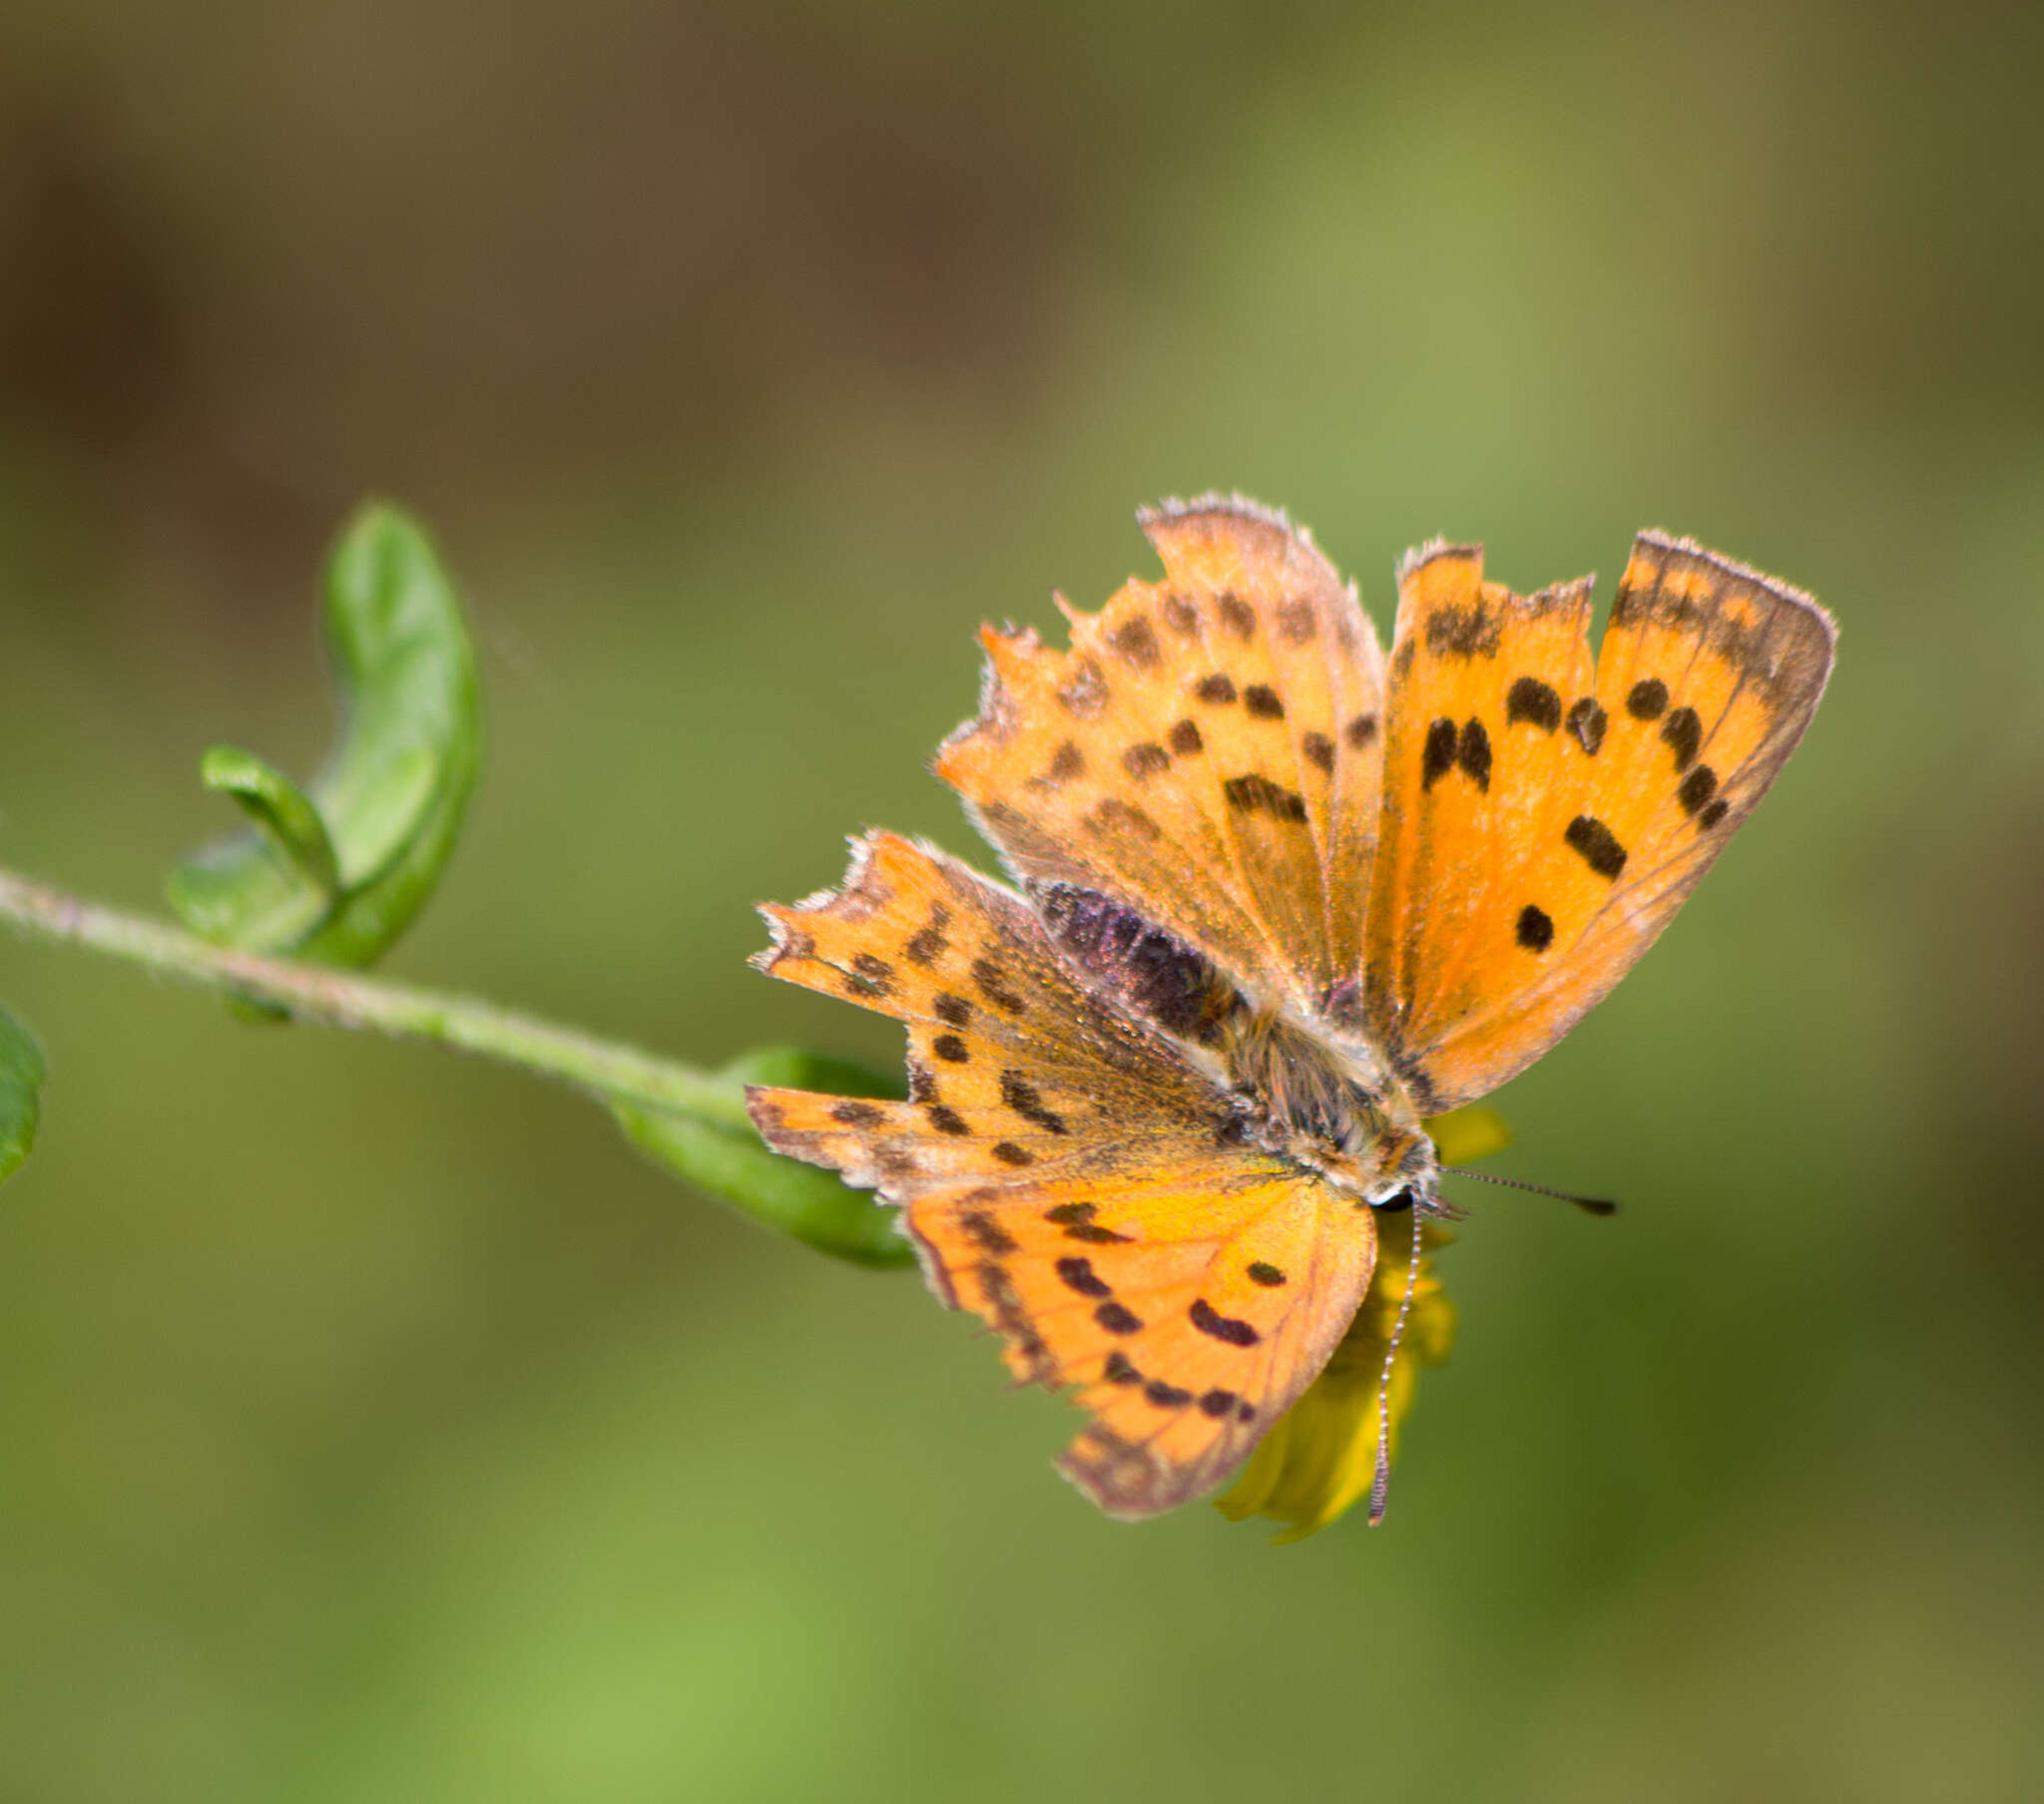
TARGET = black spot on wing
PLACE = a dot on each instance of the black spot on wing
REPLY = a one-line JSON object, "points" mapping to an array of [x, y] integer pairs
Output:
{"points": [[1117, 1318], [1209, 1320], [1142, 761], [1361, 732], [1646, 698], [1684, 731], [1111, 814], [1076, 1219], [993, 985], [1598, 845], [951, 1048], [1695, 790], [1262, 700], [858, 1115], [1318, 751], [930, 941], [1473, 753], [870, 975], [1134, 643], [1185, 738], [1262, 1273], [1012, 1320], [1084, 692], [1438, 758], [1216, 690], [1077, 1274], [1119, 1370], [1093, 1234], [1465, 631], [987, 1234], [1254, 793], [1294, 622], [1586, 720], [1536, 929], [1235, 613], [1531, 700], [1026, 1101]]}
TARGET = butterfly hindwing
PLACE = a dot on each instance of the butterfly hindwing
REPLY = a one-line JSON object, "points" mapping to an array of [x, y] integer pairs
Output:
{"points": [[1188, 1312], [1543, 821], [1013, 1062], [1072, 1176], [1206, 752]]}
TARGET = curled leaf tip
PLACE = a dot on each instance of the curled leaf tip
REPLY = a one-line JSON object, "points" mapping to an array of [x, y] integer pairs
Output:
{"points": [[279, 809], [336, 872]]}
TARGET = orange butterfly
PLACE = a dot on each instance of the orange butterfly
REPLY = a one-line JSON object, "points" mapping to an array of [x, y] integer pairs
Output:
{"points": [[1278, 903]]}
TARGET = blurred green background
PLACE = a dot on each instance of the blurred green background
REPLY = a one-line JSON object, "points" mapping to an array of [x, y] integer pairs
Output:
{"points": [[377, 1426]]}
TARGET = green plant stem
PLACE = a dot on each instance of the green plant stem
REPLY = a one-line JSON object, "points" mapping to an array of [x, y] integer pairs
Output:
{"points": [[313, 993]]}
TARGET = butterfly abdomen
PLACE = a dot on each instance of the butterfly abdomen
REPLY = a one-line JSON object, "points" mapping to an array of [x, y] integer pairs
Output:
{"points": [[1139, 964]]}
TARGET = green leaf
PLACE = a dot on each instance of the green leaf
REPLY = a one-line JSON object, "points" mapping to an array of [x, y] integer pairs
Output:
{"points": [[21, 1093], [782, 1193], [337, 871], [284, 814]]}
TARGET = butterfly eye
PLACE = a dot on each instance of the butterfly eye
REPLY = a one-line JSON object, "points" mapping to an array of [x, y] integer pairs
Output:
{"points": [[1395, 1204]]}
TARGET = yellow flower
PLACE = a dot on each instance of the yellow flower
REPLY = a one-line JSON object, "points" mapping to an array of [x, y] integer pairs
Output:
{"points": [[1322, 1455]]}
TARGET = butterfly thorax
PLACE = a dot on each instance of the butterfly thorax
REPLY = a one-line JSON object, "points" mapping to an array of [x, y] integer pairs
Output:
{"points": [[1326, 1104]]}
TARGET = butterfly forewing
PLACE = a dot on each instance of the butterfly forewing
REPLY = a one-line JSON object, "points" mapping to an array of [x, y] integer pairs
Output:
{"points": [[1541, 825], [1206, 752]]}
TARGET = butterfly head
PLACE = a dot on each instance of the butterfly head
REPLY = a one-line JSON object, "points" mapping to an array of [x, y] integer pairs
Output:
{"points": [[1411, 1176]]}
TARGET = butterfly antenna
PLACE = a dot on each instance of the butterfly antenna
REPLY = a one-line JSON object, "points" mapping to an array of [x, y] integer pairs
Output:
{"points": [[1590, 1206], [1380, 1485]]}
